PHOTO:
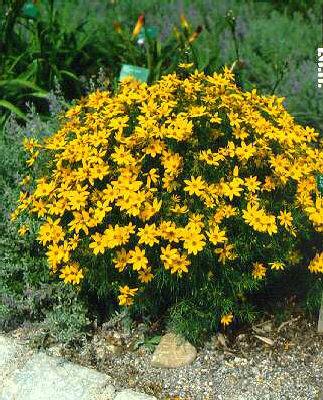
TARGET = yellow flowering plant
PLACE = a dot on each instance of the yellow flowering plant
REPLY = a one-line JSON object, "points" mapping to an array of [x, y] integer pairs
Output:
{"points": [[189, 189]]}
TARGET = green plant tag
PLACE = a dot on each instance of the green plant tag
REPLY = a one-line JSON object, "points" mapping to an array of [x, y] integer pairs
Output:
{"points": [[319, 182], [141, 37], [29, 10], [139, 73], [149, 32]]}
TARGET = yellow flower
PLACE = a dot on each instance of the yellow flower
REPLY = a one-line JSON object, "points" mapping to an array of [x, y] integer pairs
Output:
{"points": [[23, 230], [185, 65], [277, 265], [152, 177], [315, 213], [30, 144], [285, 219], [258, 271], [259, 220], [169, 256], [145, 276], [81, 221], [211, 158], [316, 265], [232, 188], [178, 209], [180, 265], [245, 151], [197, 111], [73, 242], [173, 260], [216, 236], [226, 253], [78, 197], [138, 258], [126, 296], [194, 242], [101, 210], [121, 260], [226, 319], [51, 231], [32, 159], [43, 188], [194, 186], [99, 243], [39, 207], [252, 184], [169, 231], [148, 235], [269, 184], [57, 254], [71, 273], [270, 224]]}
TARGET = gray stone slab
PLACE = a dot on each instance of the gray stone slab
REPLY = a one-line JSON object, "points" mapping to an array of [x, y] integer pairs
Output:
{"points": [[52, 378], [11, 354], [131, 395]]}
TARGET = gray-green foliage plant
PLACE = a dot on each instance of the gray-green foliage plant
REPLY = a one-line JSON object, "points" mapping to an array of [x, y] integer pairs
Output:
{"points": [[28, 293]]}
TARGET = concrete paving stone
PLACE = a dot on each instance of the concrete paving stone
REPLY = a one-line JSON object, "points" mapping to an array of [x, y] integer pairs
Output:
{"points": [[53, 378], [11, 354], [131, 395]]}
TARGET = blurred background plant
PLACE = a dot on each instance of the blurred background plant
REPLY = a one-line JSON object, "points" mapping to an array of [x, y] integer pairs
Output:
{"points": [[273, 44]]}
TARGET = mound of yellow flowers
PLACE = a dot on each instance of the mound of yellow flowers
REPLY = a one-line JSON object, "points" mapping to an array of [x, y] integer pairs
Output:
{"points": [[162, 177]]}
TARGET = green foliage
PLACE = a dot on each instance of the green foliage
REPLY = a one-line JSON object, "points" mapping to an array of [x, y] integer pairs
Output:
{"points": [[67, 322], [36, 51]]}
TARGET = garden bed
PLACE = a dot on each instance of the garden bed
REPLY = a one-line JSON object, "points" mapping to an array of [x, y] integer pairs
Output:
{"points": [[285, 361]]}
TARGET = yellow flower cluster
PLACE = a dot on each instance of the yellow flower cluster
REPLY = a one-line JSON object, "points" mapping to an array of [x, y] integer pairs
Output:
{"points": [[316, 265], [157, 174]]}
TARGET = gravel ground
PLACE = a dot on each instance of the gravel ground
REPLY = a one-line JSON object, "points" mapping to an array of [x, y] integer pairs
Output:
{"points": [[283, 362]]}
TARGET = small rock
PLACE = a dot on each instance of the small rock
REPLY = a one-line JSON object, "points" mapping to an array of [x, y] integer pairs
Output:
{"points": [[112, 348], [131, 395], [55, 350], [172, 352]]}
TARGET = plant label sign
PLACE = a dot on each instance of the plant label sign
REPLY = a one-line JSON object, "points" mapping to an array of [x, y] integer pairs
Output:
{"points": [[139, 73], [29, 10], [150, 33]]}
